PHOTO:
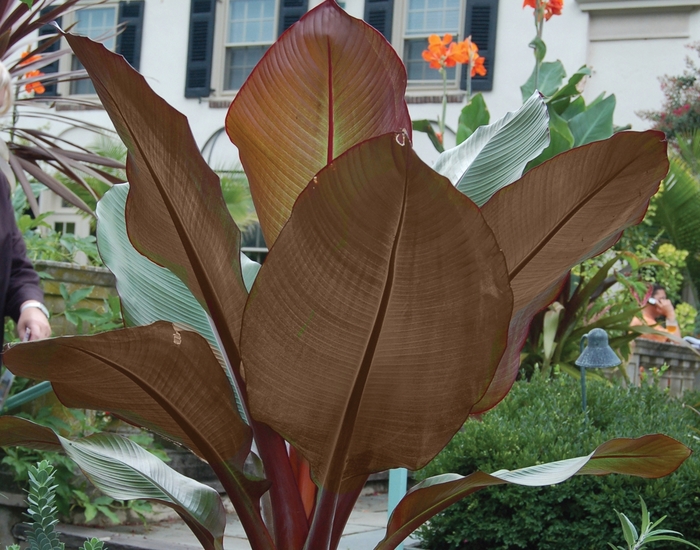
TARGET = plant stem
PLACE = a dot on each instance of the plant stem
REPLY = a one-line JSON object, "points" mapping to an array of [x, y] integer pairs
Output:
{"points": [[469, 71], [322, 524], [444, 103]]}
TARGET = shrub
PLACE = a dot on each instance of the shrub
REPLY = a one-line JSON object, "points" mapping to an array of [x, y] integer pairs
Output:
{"points": [[541, 421]]}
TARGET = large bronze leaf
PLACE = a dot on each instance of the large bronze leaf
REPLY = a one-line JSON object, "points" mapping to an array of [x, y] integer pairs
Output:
{"points": [[650, 456], [158, 377], [560, 213], [327, 84], [176, 214], [379, 316]]}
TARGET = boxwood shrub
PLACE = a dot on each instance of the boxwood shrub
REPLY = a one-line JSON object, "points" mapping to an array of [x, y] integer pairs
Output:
{"points": [[541, 421]]}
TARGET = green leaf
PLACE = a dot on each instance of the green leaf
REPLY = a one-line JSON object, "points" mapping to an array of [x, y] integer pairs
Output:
{"points": [[576, 107], [628, 530], [678, 212], [328, 83], [540, 48], [426, 127], [648, 456], [29, 3], [570, 88], [494, 156], [474, 114], [550, 326], [560, 139], [550, 78], [595, 123]]}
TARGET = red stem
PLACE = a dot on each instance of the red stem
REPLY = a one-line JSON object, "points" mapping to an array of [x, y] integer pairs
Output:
{"points": [[291, 526]]}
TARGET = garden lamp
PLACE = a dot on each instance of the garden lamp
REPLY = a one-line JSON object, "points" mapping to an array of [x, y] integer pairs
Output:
{"points": [[597, 355]]}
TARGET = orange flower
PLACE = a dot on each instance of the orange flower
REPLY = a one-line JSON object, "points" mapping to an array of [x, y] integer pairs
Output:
{"points": [[550, 7], [553, 7], [36, 87], [32, 59], [442, 53]]}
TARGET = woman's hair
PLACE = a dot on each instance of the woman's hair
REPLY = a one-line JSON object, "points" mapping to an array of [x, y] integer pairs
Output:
{"points": [[657, 287], [5, 90]]}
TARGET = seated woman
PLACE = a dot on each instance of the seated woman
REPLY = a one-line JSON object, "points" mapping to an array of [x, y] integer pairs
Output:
{"points": [[658, 306]]}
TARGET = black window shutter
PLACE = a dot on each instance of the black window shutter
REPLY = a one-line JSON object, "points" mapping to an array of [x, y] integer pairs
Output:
{"points": [[129, 40], [290, 12], [482, 16], [50, 85], [379, 14], [199, 51]]}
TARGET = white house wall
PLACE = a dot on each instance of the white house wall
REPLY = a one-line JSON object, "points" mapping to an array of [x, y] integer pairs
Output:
{"points": [[628, 50]]}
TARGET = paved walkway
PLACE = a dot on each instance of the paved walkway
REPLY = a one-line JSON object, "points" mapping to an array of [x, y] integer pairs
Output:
{"points": [[364, 530]]}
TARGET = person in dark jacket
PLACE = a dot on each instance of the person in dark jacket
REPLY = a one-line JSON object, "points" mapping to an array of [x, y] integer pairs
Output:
{"points": [[20, 294]]}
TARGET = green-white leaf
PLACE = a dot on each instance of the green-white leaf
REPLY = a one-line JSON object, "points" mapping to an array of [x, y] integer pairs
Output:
{"points": [[496, 155], [124, 471], [628, 530], [560, 139], [148, 291], [595, 123]]}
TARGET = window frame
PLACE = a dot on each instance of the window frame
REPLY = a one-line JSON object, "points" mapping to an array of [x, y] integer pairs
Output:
{"points": [[218, 70], [399, 37]]}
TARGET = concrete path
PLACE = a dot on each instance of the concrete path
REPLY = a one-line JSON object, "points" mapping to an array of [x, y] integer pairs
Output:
{"points": [[364, 530]]}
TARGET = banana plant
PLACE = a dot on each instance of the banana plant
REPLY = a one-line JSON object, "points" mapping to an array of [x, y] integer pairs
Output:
{"points": [[386, 291]]}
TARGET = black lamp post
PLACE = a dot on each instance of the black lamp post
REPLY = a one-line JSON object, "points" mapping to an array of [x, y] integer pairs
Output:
{"points": [[597, 355]]}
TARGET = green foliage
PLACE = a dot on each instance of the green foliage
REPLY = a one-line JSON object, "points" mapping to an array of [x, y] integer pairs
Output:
{"points": [[669, 275], [72, 491], [542, 421], [42, 512], [587, 301], [42, 509], [474, 114], [88, 320], [686, 315], [648, 532], [571, 122], [93, 544], [43, 243], [680, 113]]}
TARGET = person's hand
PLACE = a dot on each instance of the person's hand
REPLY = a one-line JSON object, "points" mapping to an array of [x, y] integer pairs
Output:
{"points": [[665, 307], [33, 318]]}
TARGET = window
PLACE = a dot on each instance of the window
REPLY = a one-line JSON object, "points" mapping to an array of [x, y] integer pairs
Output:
{"points": [[423, 18], [250, 30], [100, 24], [68, 228], [118, 25], [229, 37], [408, 23]]}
